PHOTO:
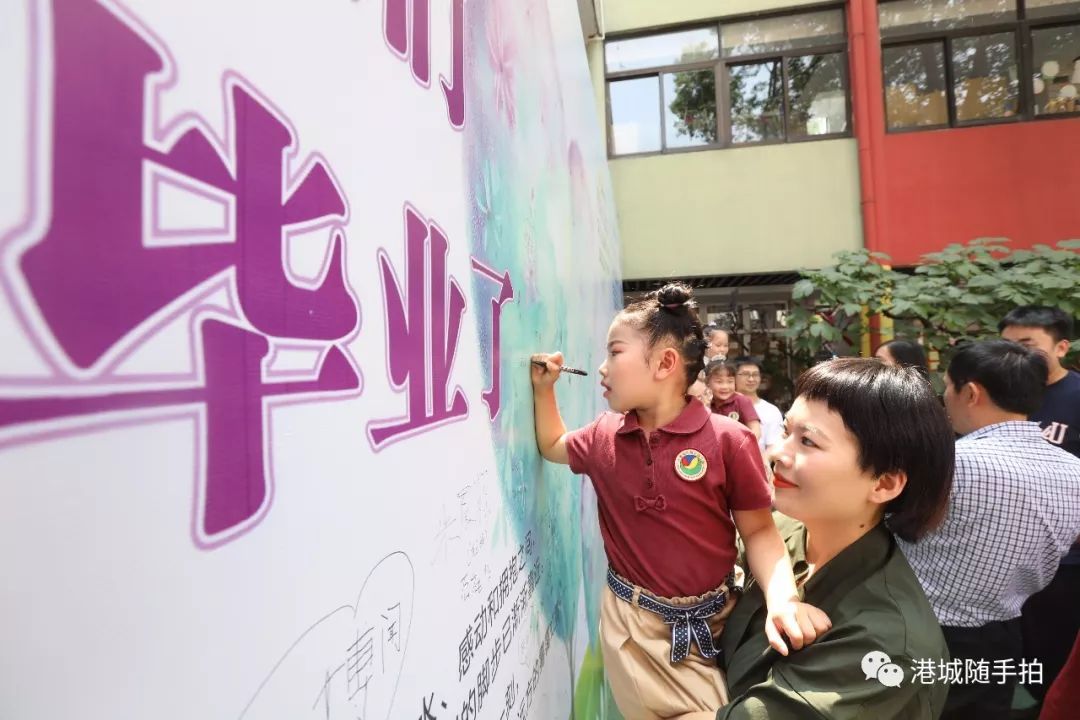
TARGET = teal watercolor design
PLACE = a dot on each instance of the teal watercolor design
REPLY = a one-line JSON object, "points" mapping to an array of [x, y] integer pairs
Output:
{"points": [[539, 200]]}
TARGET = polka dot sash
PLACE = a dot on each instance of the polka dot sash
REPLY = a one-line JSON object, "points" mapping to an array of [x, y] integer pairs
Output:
{"points": [[686, 621]]}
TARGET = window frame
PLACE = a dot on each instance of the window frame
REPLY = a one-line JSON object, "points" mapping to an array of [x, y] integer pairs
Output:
{"points": [[724, 88], [949, 110], [1046, 24], [1021, 28], [719, 66], [658, 72]]}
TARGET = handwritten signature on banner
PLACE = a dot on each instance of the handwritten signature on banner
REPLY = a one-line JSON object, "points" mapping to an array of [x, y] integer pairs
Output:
{"points": [[351, 658], [461, 535], [105, 273]]}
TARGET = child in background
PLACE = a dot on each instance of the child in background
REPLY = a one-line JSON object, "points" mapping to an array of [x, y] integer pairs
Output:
{"points": [[674, 482], [720, 377], [717, 343], [699, 390]]}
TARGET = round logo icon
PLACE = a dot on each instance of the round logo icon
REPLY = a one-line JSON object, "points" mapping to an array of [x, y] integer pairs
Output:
{"points": [[734, 414], [691, 465]]}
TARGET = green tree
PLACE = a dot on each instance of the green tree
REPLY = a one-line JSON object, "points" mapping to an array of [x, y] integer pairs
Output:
{"points": [[957, 294]]}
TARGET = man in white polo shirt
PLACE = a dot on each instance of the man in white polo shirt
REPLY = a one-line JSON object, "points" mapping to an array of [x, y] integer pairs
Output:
{"points": [[747, 382]]}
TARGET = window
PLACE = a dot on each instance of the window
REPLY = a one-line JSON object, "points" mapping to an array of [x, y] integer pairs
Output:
{"points": [[1038, 9], [783, 91], [915, 85], [1056, 53], [635, 115], [673, 105], [756, 103], [770, 79], [690, 108], [985, 84], [676, 48], [904, 16], [817, 102], [962, 62]]}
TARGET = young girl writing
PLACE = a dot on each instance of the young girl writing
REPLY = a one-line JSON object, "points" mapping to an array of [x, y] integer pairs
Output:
{"points": [[720, 377], [674, 482]]}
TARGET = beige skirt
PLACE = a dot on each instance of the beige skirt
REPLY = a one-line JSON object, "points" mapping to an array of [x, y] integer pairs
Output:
{"points": [[636, 645]]}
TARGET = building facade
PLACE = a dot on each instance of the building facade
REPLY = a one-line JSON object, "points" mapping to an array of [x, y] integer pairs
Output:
{"points": [[750, 138]]}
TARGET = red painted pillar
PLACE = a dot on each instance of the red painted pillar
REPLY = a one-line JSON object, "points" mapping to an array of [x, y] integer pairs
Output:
{"points": [[868, 112]]}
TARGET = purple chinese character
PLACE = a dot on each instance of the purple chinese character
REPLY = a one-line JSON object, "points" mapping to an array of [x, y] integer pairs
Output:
{"points": [[492, 397], [104, 276], [407, 30], [422, 327], [235, 484], [93, 261], [454, 89]]}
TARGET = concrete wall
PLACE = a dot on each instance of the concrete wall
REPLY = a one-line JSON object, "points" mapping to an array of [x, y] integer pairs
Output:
{"points": [[740, 210], [735, 210]]}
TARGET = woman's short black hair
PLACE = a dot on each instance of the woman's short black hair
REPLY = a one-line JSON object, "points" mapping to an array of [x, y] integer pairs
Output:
{"points": [[899, 425], [909, 354], [670, 314], [1013, 376]]}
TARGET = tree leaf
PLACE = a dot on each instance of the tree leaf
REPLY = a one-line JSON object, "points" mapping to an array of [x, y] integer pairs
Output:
{"points": [[802, 289]]}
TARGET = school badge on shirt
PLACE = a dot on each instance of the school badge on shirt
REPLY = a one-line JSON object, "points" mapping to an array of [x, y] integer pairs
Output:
{"points": [[691, 465], [734, 415]]}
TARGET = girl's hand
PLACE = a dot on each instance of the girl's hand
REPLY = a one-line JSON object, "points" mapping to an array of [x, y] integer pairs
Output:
{"points": [[801, 623], [545, 377]]}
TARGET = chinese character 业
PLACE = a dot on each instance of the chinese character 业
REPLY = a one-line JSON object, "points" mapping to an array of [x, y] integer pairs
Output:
{"points": [[423, 323]]}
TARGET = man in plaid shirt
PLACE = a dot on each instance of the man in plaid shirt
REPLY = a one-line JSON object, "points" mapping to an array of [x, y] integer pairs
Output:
{"points": [[1051, 617], [1013, 514]]}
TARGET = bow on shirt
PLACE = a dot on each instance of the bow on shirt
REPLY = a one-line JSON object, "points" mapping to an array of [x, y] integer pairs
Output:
{"points": [[641, 504]]}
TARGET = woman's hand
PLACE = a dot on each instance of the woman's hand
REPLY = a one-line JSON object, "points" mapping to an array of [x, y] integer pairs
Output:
{"points": [[801, 623]]}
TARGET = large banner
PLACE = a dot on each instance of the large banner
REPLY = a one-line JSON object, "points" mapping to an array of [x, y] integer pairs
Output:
{"points": [[270, 274]]}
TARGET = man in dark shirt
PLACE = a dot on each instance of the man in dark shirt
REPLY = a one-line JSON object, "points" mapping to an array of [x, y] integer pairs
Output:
{"points": [[1051, 618]]}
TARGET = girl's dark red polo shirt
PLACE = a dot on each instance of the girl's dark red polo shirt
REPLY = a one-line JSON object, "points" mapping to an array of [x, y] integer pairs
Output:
{"points": [[737, 407], [668, 528]]}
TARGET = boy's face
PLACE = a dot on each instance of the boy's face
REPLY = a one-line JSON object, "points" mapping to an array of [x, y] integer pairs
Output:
{"points": [[1037, 338], [722, 385]]}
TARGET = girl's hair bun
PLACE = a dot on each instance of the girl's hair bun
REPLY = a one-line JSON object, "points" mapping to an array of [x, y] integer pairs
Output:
{"points": [[676, 296], [670, 314]]}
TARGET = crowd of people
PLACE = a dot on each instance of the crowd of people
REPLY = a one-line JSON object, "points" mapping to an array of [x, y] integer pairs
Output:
{"points": [[878, 552]]}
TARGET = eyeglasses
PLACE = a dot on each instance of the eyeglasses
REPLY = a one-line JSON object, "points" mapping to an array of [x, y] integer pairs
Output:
{"points": [[750, 375]]}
